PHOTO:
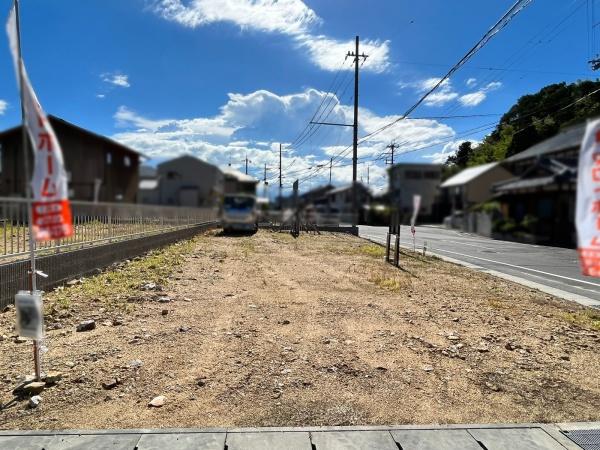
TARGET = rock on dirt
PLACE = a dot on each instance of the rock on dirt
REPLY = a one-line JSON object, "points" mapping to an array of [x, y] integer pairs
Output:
{"points": [[86, 325], [52, 377], [34, 402], [110, 384], [157, 402], [32, 388]]}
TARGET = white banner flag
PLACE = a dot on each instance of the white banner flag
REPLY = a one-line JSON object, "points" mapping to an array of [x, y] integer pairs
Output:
{"points": [[51, 208], [416, 207], [587, 216]]}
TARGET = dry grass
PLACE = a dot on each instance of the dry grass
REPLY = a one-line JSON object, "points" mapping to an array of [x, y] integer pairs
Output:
{"points": [[586, 319]]}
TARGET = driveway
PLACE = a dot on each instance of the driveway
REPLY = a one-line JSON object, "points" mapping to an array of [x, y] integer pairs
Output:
{"points": [[550, 269]]}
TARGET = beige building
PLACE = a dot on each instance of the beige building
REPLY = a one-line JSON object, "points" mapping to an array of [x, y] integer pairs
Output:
{"points": [[409, 179], [473, 185], [183, 181]]}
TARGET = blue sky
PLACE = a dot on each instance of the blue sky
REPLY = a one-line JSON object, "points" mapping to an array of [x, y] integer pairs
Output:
{"points": [[224, 78]]}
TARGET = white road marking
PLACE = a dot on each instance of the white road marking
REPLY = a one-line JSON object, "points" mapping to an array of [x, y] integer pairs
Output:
{"points": [[520, 267]]}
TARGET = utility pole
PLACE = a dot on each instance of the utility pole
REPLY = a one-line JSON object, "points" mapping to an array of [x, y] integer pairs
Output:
{"points": [[393, 146], [247, 163], [356, 55], [368, 182], [330, 167], [265, 176], [280, 184]]}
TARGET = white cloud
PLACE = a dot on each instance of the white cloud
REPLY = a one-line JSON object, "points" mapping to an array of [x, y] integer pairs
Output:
{"points": [[327, 53], [245, 120], [116, 79], [283, 16], [443, 94], [471, 82], [475, 98], [3, 106], [289, 17], [100, 95]]}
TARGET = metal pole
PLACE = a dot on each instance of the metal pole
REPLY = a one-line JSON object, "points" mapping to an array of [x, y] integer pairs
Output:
{"points": [[330, 167], [25, 147], [280, 185], [355, 139]]}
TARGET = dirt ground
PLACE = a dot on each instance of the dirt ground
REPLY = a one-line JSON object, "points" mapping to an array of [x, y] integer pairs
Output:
{"points": [[267, 330]]}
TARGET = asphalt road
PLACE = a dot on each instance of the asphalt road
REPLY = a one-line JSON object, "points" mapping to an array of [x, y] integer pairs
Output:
{"points": [[551, 269]]}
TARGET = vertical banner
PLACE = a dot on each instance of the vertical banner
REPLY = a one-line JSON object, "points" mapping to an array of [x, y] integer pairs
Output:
{"points": [[587, 216], [416, 207], [51, 210]]}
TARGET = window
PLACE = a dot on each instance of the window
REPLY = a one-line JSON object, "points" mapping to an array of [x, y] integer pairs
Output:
{"points": [[109, 158], [127, 161], [431, 175], [413, 174]]}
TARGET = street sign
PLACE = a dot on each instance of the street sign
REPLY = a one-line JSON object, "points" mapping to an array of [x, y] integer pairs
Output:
{"points": [[29, 314], [587, 216]]}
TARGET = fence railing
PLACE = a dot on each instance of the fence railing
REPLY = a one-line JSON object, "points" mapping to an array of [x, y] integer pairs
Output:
{"points": [[94, 224], [277, 218]]}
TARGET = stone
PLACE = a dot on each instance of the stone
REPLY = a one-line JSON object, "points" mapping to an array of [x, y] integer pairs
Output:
{"points": [[184, 329], [136, 363], [70, 364], [149, 287], [86, 325], [34, 402], [33, 388], [452, 337], [116, 322], [201, 382], [164, 299], [492, 386], [52, 377], [428, 368], [157, 402], [285, 322], [110, 384], [20, 340], [164, 312]]}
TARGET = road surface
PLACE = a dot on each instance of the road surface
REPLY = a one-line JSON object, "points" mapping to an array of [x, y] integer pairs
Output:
{"points": [[550, 269]]}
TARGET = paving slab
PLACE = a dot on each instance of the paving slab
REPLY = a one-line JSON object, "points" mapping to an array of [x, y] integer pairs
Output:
{"points": [[185, 441], [516, 439], [353, 440], [96, 442], [269, 440], [435, 440], [25, 442]]}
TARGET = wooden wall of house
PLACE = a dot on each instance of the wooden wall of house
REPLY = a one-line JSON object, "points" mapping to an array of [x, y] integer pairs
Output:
{"points": [[85, 160]]}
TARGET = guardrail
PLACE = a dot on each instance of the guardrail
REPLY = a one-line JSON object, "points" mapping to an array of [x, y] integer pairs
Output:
{"points": [[94, 224]]}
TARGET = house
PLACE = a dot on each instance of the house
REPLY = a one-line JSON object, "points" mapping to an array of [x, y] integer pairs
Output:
{"points": [[409, 179], [98, 168], [148, 192], [472, 186], [184, 181], [539, 200], [236, 182], [340, 199]]}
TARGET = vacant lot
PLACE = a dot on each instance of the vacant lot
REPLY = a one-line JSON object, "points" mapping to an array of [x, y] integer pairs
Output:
{"points": [[268, 330]]}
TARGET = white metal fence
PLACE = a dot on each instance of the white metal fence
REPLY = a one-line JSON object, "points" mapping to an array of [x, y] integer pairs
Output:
{"points": [[94, 224]]}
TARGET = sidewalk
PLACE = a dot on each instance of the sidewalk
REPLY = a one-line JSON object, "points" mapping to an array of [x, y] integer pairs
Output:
{"points": [[450, 437]]}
